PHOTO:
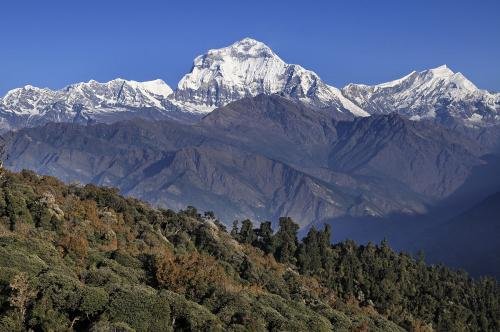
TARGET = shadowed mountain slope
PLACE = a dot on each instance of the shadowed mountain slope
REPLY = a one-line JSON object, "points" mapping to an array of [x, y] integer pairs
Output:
{"points": [[260, 157]]}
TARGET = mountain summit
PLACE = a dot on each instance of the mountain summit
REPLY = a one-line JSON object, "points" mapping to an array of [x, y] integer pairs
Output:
{"points": [[81, 102], [248, 68], [437, 93]]}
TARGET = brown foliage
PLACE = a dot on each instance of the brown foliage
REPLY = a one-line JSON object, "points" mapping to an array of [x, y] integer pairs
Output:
{"points": [[191, 273], [76, 244], [419, 326]]}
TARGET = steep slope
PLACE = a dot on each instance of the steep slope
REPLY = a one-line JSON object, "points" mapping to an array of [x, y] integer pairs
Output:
{"points": [[248, 68], [79, 258], [83, 258], [275, 126], [431, 160], [438, 93], [174, 166]]}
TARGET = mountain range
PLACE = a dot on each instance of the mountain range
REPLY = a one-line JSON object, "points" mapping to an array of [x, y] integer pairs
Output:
{"points": [[247, 135], [438, 93], [261, 158], [245, 69]]}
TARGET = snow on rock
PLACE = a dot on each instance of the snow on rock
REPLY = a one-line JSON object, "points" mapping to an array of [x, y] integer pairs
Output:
{"points": [[91, 96], [248, 68], [437, 93], [80, 102], [27, 100]]}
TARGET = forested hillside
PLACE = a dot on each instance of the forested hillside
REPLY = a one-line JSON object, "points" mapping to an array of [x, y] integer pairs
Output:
{"points": [[85, 258]]}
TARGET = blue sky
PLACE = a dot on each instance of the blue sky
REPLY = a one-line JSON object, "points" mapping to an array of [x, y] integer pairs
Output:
{"points": [[55, 43]]}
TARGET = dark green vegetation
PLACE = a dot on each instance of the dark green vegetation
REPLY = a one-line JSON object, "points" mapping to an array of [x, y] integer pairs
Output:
{"points": [[81, 258]]}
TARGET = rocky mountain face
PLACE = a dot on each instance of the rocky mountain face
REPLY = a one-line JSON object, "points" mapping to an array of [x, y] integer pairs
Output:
{"points": [[248, 68], [431, 160], [438, 93], [260, 157], [245, 69]]}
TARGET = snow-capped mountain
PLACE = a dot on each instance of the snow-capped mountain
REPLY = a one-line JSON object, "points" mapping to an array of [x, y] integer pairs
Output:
{"points": [[29, 105], [438, 93], [248, 68], [95, 95], [245, 69]]}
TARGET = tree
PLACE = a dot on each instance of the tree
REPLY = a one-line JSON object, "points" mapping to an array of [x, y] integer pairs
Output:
{"points": [[247, 234], [209, 215], [286, 240], [421, 257], [309, 257], [325, 246], [234, 230], [191, 211], [3, 154], [265, 240]]}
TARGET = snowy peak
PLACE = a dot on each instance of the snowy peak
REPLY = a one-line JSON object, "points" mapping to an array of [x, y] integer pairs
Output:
{"points": [[26, 100], [155, 87], [437, 93], [447, 76], [248, 68], [442, 75], [440, 72], [94, 94], [31, 105], [244, 66], [247, 47]]}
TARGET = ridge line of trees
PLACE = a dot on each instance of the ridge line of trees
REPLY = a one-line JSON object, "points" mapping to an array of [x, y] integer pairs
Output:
{"points": [[395, 284]]}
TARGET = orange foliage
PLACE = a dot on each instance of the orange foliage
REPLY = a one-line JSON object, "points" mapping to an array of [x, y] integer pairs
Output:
{"points": [[76, 244], [419, 326], [266, 261], [185, 272]]}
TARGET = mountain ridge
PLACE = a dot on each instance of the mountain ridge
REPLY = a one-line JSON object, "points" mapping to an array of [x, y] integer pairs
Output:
{"points": [[228, 158], [247, 68], [437, 93]]}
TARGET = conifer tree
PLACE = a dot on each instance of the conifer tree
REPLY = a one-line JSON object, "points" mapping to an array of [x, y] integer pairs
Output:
{"points": [[265, 240], [286, 240], [247, 233], [234, 229]]}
